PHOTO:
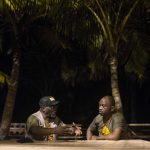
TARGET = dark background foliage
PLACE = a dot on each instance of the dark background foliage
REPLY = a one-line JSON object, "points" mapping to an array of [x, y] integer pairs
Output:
{"points": [[40, 75]]}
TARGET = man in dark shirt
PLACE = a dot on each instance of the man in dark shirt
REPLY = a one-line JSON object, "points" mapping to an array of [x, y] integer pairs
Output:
{"points": [[108, 124]]}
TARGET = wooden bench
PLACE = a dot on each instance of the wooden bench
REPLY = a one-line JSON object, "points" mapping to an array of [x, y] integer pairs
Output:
{"points": [[141, 130], [17, 129]]}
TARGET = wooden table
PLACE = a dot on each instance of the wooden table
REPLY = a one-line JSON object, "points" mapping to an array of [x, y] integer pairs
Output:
{"points": [[77, 145]]}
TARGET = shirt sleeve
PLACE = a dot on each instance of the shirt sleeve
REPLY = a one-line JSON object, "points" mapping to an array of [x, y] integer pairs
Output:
{"points": [[31, 121], [93, 124]]}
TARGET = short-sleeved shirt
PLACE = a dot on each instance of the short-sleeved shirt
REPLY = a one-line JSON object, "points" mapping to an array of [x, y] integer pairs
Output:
{"points": [[34, 120], [117, 120]]}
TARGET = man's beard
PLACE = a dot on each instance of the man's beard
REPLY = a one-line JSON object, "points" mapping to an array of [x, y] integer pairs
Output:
{"points": [[53, 114]]}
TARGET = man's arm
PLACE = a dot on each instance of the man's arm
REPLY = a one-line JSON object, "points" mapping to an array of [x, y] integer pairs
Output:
{"points": [[89, 134], [37, 130], [115, 135], [91, 128]]}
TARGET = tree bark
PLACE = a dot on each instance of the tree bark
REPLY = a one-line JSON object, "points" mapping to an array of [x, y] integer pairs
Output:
{"points": [[114, 83], [11, 97]]}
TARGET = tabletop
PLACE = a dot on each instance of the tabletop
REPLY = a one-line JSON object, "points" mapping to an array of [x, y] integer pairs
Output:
{"points": [[77, 145]]}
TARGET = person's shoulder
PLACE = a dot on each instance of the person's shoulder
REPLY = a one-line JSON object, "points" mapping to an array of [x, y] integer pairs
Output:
{"points": [[31, 117], [98, 117], [118, 115]]}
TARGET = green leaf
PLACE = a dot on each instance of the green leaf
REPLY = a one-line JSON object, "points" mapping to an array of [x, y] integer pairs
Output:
{"points": [[125, 20], [99, 21]]}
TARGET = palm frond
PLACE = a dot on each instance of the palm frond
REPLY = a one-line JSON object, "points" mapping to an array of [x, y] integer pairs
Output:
{"points": [[124, 22], [99, 21]]}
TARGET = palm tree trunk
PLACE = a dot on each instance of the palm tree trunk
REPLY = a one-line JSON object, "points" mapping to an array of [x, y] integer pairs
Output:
{"points": [[10, 99], [114, 83]]}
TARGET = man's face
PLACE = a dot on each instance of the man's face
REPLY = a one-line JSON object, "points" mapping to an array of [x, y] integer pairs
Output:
{"points": [[104, 107], [50, 111], [53, 110], [46, 111]]}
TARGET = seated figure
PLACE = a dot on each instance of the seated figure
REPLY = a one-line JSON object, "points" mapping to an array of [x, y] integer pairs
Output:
{"points": [[45, 124], [108, 124]]}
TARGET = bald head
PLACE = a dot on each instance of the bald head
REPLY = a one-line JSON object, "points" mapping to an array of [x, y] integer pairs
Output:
{"points": [[109, 99], [106, 106]]}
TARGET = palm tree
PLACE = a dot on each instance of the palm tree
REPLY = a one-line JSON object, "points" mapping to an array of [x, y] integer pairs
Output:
{"points": [[16, 16], [113, 33]]}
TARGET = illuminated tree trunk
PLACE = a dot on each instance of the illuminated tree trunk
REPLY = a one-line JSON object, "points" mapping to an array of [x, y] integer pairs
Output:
{"points": [[11, 97], [114, 83]]}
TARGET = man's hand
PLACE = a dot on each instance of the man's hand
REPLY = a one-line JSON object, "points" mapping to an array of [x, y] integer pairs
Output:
{"points": [[63, 130], [77, 129]]}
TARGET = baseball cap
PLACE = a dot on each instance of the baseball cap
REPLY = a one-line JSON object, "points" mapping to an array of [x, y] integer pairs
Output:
{"points": [[48, 101]]}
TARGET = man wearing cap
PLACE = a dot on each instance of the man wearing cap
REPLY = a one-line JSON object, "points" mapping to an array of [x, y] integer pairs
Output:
{"points": [[44, 123]]}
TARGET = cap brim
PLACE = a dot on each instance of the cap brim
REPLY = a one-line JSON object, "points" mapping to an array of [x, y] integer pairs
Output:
{"points": [[54, 103]]}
